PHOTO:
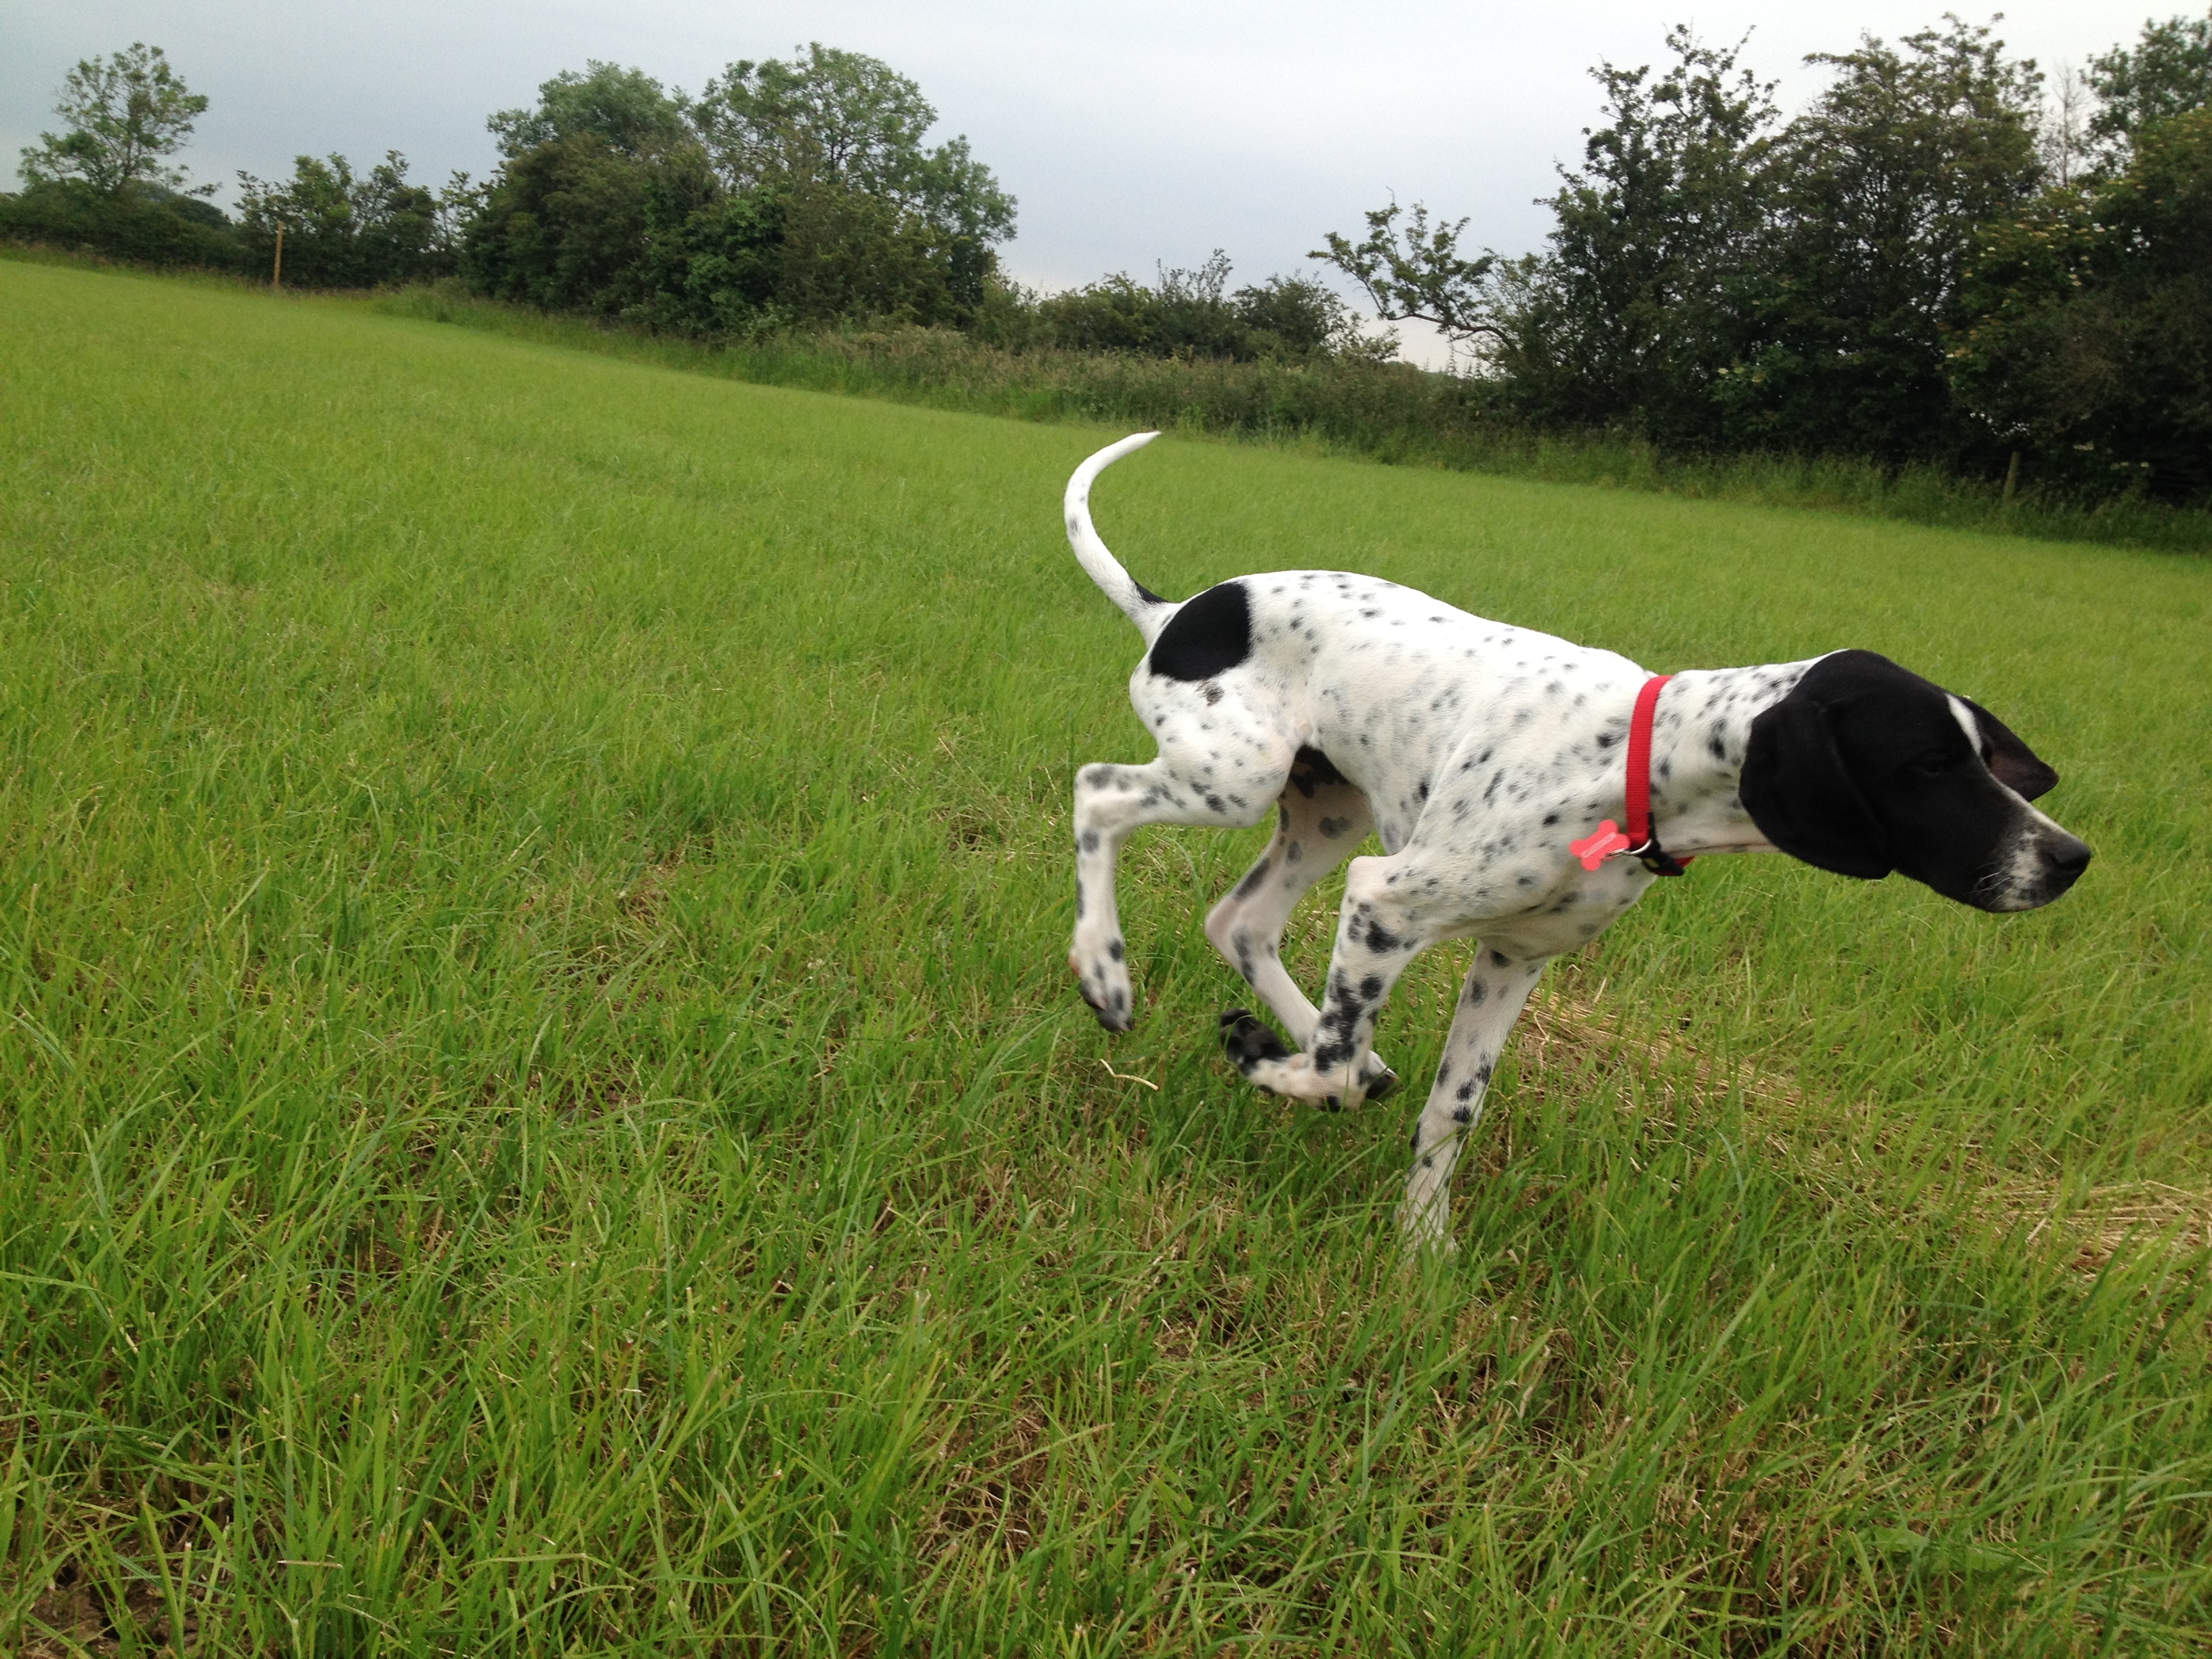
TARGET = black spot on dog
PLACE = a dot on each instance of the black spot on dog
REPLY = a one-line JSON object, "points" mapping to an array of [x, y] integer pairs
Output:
{"points": [[1118, 950], [1210, 635], [1477, 994], [1255, 881], [1371, 987], [1500, 959], [1462, 1115], [1213, 693], [1087, 842], [1249, 1042], [1332, 828]]}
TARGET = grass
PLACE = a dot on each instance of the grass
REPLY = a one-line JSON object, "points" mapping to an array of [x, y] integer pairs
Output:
{"points": [[1391, 413], [544, 1113]]}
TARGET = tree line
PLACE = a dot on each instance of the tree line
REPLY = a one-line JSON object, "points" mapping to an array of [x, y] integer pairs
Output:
{"points": [[1942, 258], [1928, 263]]}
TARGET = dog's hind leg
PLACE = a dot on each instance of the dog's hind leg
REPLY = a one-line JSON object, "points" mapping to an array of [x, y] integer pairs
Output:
{"points": [[1379, 932], [1497, 987], [1111, 802], [1319, 825]]}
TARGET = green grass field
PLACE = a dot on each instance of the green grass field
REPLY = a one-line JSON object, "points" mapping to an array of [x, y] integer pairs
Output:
{"points": [[545, 1112]]}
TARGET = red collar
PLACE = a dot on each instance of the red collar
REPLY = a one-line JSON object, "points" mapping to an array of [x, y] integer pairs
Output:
{"points": [[1640, 841]]}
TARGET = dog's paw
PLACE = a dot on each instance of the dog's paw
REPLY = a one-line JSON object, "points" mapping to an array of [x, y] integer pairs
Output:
{"points": [[1105, 987], [1268, 1062], [1249, 1040], [1380, 1079]]}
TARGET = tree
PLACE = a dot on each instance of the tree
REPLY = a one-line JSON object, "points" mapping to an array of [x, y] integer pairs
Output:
{"points": [[2169, 73], [625, 109], [345, 231], [1419, 274], [849, 121], [564, 227], [1634, 310], [604, 157], [125, 115], [1881, 187], [2062, 141], [1639, 304], [785, 193], [2087, 338]]}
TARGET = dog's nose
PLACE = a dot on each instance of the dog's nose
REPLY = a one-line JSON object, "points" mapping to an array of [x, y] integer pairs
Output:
{"points": [[2068, 858]]}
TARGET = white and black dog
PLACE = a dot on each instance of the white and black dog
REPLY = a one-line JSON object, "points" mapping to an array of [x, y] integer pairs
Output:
{"points": [[1493, 761]]}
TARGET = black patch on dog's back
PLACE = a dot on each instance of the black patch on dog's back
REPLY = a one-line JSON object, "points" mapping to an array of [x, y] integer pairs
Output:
{"points": [[1209, 635]]}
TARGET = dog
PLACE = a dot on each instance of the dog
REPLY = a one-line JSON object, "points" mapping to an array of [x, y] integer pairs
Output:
{"points": [[1498, 766]]}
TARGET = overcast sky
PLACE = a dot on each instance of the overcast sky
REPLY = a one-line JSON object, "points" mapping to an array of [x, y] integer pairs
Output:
{"points": [[1131, 134]]}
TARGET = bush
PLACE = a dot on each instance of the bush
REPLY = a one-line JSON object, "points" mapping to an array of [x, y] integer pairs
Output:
{"points": [[147, 223], [1189, 314]]}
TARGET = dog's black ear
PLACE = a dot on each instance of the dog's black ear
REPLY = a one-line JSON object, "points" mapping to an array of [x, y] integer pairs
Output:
{"points": [[2012, 762], [1801, 797]]}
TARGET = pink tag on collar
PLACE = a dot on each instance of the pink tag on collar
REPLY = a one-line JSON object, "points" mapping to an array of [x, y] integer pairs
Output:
{"points": [[1595, 849]]}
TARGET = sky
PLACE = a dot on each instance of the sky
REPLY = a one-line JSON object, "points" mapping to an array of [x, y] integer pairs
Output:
{"points": [[1143, 133]]}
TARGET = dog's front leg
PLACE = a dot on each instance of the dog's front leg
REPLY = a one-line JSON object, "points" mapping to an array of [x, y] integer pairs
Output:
{"points": [[1497, 987], [1377, 935]]}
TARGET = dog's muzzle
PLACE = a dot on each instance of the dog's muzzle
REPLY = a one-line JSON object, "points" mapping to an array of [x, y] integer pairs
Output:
{"points": [[2041, 864]]}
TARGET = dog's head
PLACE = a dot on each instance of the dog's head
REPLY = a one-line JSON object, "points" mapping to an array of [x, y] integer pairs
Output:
{"points": [[1865, 767]]}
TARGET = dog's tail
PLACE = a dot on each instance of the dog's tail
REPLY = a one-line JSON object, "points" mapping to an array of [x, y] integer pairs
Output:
{"points": [[1138, 603]]}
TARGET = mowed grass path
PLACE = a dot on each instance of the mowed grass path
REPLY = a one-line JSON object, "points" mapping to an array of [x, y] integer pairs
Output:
{"points": [[544, 1113]]}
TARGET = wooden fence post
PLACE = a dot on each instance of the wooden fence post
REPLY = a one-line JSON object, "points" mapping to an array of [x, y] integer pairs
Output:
{"points": [[277, 272]]}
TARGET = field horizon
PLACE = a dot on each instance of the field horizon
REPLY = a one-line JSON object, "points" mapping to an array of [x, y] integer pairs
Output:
{"points": [[545, 1111]]}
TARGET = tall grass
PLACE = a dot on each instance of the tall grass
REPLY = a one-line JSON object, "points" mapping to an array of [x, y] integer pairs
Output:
{"points": [[540, 1110]]}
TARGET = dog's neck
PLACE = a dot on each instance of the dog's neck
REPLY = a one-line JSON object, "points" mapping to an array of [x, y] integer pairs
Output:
{"points": [[1699, 740]]}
